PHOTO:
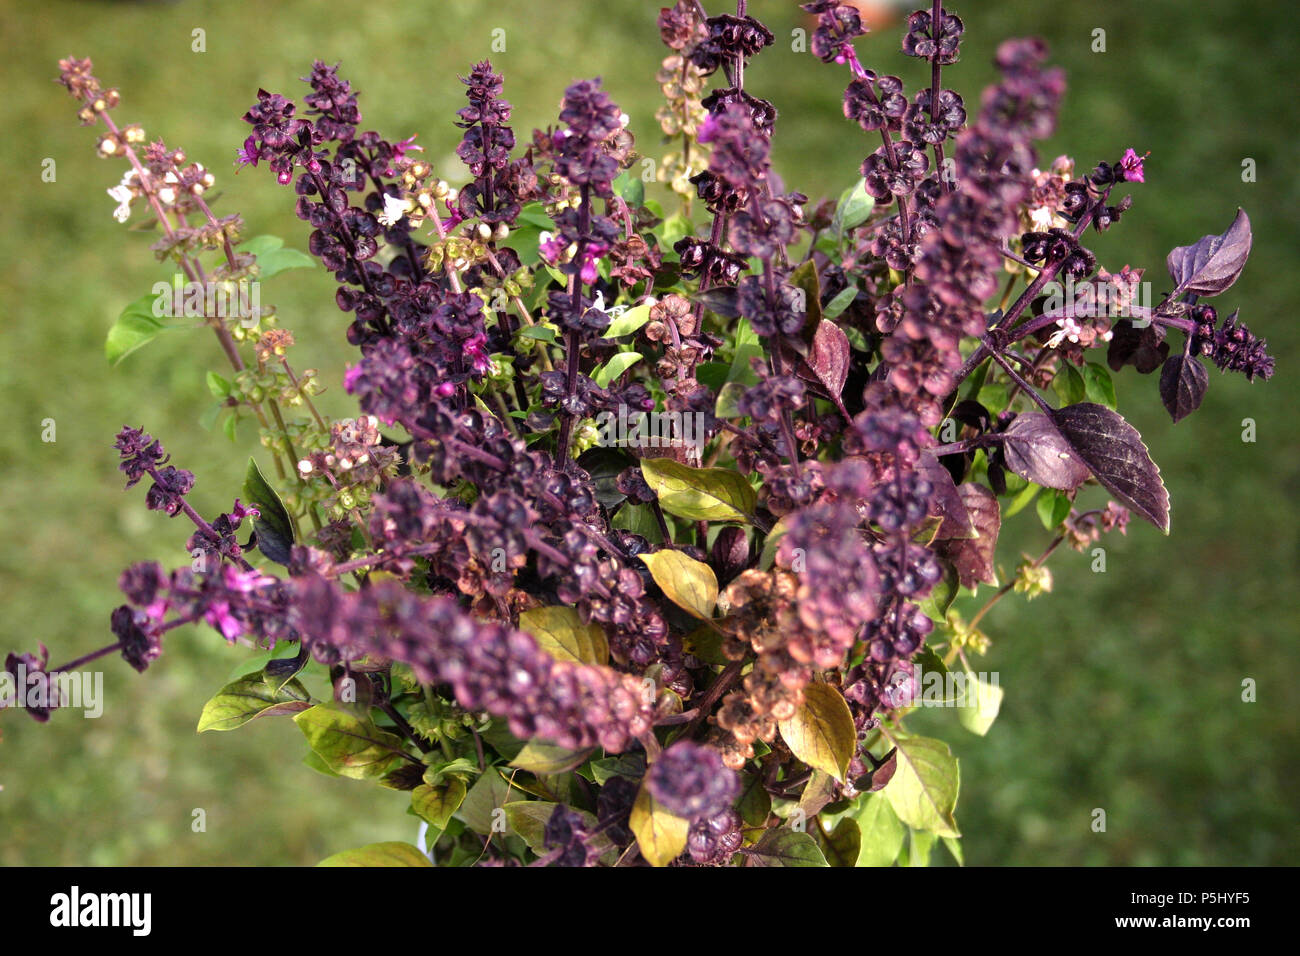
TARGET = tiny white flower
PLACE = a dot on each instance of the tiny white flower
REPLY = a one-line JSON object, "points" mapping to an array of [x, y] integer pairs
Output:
{"points": [[1042, 217], [122, 196], [304, 467], [394, 209]]}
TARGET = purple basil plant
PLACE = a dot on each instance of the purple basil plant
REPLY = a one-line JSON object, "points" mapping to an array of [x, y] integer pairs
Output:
{"points": [[645, 539]]}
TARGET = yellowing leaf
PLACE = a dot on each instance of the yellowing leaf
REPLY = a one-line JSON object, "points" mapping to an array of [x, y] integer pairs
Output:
{"points": [[821, 732], [379, 854], [349, 745], [699, 494], [561, 633], [688, 583], [660, 835], [437, 804], [249, 698]]}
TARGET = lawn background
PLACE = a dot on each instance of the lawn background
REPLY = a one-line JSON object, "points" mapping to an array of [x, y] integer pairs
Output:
{"points": [[1123, 688]]}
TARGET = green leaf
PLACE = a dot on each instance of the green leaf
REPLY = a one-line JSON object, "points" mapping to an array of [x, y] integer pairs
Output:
{"points": [[1098, 385], [618, 363], [541, 333], [313, 760], [782, 846], [135, 328], [821, 732], [249, 698], [628, 322], [755, 802], [728, 405], [436, 804], [489, 794], [923, 790], [561, 633], [272, 259], [1068, 384], [842, 843], [919, 847], [980, 704], [631, 766], [768, 555], [954, 847], [882, 832], [218, 386], [746, 346], [699, 494], [706, 644], [688, 583], [542, 757], [660, 835], [631, 187], [1018, 503], [639, 519], [351, 746], [854, 207], [842, 301], [936, 603], [1053, 507], [272, 525], [379, 854], [535, 213]]}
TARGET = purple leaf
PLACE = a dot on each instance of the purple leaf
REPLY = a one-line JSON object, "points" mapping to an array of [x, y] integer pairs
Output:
{"points": [[1113, 449], [1212, 263], [827, 363], [1037, 451], [973, 557], [946, 499], [1142, 347], [1183, 382]]}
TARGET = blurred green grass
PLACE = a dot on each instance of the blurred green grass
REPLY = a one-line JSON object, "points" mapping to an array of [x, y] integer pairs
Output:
{"points": [[1123, 688]]}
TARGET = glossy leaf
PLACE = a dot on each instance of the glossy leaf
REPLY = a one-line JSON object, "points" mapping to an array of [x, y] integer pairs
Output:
{"points": [[272, 525], [688, 583], [699, 494], [249, 698], [1183, 382], [1036, 450], [1212, 263], [821, 732], [562, 633], [854, 207], [617, 364], [1113, 450], [627, 322]]}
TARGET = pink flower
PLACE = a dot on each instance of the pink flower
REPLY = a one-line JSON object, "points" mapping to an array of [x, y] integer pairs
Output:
{"points": [[219, 616], [1130, 166], [350, 376]]}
